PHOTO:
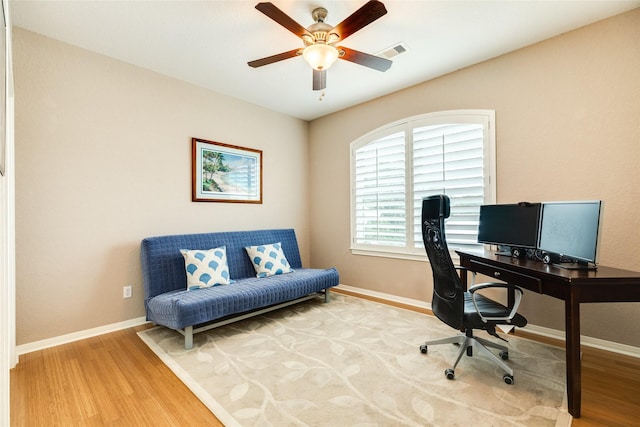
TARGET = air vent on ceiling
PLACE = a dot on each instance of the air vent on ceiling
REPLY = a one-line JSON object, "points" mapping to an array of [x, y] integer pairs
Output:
{"points": [[392, 51]]}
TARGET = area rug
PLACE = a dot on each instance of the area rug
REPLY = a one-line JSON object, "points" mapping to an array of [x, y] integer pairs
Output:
{"points": [[354, 362]]}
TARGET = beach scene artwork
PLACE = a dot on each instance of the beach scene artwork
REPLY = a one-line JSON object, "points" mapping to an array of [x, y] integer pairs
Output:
{"points": [[227, 173]]}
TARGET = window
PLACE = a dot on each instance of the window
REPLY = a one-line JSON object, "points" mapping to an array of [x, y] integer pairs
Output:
{"points": [[394, 167]]}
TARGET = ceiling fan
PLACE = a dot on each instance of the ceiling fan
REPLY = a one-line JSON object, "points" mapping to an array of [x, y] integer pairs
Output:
{"points": [[320, 40]]}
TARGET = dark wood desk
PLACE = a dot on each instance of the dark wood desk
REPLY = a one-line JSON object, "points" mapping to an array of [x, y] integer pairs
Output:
{"points": [[573, 286]]}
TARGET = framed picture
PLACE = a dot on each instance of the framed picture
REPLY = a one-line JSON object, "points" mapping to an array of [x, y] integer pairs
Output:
{"points": [[225, 173]]}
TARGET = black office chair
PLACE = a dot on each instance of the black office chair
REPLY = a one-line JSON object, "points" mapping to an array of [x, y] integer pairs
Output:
{"points": [[460, 309]]}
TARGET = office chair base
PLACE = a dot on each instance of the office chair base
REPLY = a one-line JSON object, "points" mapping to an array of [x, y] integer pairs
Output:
{"points": [[467, 344]]}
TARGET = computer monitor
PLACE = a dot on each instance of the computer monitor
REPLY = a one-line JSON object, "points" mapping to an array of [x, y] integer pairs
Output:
{"points": [[570, 230], [514, 225]]}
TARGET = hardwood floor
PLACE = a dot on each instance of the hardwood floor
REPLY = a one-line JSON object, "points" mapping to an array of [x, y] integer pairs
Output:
{"points": [[610, 391], [109, 380], [610, 387], [116, 380]]}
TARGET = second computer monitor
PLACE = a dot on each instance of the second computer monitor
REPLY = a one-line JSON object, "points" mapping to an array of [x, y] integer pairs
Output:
{"points": [[515, 225], [570, 230]]}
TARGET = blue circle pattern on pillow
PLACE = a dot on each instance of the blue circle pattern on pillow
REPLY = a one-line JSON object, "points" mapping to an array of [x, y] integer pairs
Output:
{"points": [[268, 260], [206, 268]]}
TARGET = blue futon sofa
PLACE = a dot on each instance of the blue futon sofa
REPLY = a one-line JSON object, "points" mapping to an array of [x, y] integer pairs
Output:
{"points": [[169, 303]]}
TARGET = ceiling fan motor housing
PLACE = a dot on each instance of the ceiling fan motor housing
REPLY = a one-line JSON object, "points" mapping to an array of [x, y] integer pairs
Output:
{"points": [[319, 29]]}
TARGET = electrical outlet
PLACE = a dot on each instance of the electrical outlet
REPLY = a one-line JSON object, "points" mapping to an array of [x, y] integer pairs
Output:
{"points": [[126, 291]]}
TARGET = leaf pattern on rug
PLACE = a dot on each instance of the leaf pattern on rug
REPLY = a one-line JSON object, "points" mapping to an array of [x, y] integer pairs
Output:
{"points": [[355, 362], [239, 391], [422, 408]]}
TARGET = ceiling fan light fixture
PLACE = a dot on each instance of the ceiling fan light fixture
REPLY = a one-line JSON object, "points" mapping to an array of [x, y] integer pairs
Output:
{"points": [[320, 55]]}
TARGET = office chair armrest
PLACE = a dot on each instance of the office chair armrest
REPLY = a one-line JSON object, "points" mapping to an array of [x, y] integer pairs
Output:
{"points": [[518, 297]]}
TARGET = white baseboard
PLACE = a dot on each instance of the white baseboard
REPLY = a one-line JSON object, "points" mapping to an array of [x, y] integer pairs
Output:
{"points": [[388, 297], [80, 335], [586, 341]]}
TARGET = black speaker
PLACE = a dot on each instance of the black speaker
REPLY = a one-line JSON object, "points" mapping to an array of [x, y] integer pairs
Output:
{"points": [[518, 252], [550, 258]]}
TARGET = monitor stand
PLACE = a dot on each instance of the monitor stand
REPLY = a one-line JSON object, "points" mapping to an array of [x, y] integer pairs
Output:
{"points": [[575, 266]]}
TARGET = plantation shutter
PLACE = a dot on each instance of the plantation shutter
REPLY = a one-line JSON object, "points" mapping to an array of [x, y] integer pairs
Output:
{"points": [[448, 159], [394, 167], [380, 187]]}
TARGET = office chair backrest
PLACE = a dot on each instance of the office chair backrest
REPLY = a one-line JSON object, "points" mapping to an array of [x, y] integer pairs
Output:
{"points": [[448, 294]]}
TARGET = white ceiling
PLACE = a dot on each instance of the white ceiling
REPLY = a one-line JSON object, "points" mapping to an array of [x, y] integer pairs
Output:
{"points": [[208, 43]]}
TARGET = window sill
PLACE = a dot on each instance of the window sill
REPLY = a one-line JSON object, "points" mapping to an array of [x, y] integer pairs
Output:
{"points": [[396, 254]]}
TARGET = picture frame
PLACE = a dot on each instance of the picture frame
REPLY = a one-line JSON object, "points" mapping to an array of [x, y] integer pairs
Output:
{"points": [[225, 173]]}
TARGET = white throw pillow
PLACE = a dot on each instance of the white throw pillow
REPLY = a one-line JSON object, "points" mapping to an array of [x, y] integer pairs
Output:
{"points": [[206, 268], [268, 260]]}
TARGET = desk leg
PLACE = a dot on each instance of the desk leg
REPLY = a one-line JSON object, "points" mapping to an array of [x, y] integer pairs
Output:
{"points": [[572, 333], [463, 279]]}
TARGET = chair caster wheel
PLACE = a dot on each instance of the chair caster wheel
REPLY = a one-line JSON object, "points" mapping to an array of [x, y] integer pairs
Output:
{"points": [[423, 349], [508, 379], [449, 374], [504, 355]]}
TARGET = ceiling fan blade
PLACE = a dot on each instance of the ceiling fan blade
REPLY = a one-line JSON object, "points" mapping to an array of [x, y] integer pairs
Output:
{"points": [[273, 58], [282, 18], [361, 58], [359, 19], [319, 79]]}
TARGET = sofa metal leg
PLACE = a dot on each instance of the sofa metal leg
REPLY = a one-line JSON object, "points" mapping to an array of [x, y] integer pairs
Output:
{"points": [[188, 331], [188, 337]]}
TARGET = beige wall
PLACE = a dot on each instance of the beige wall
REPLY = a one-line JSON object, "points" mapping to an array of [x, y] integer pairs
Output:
{"points": [[103, 159], [568, 128]]}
